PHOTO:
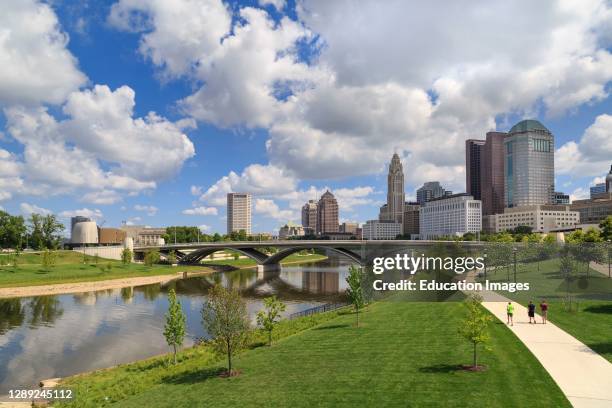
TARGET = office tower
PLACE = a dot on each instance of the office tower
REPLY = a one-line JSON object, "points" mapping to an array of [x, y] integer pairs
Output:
{"points": [[529, 166], [309, 217], [429, 191], [349, 227], [598, 189], [239, 212], [411, 219], [327, 217], [609, 181], [492, 174], [394, 209], [473, 159], [450, 216]]}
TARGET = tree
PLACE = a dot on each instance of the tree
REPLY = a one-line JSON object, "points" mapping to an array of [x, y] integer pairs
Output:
{"points": [[126, 256], [48, 259], [271, 314], [151, 257], [12, 230], [606, 228], [474, 327], [174, 329], [355, 289], [172, 257], [567, 269], [225, 318]]}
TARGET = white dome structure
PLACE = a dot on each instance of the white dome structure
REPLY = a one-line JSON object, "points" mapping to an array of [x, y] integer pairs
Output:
{"points": [[84, 232]]}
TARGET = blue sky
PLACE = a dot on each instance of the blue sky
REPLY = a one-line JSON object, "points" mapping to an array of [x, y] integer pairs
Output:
{"points": [[283, 99]]}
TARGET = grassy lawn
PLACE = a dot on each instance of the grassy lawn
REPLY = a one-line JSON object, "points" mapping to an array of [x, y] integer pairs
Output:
{"points": [[247, 262], [405, 354], [70, 268], [589, 320]]}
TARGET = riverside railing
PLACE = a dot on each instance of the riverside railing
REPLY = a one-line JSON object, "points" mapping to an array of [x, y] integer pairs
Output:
{"points": [[318, 309]]}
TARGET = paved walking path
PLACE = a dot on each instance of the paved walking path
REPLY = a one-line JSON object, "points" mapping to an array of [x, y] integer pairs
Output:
{"points": [[603, 269], [584, 376]]}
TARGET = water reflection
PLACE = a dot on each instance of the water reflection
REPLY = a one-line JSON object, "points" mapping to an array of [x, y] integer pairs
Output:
{"points": [[55, 336]]}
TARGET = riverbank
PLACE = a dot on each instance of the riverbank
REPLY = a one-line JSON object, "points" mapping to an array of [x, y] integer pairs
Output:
{"points": [[75, 278], [77, 287], [403, 352]]}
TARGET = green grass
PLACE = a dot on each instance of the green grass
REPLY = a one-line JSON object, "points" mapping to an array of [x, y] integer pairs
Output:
{"points": [[405, 354], [248, 262], [69, 268], [589, 319]]}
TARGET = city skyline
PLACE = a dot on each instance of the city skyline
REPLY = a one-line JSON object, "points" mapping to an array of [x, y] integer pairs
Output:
{"points": [[78, 138]]}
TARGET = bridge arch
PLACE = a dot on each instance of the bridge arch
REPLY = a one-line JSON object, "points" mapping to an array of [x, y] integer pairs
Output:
{"points": [[199, 254], [279, 256]]}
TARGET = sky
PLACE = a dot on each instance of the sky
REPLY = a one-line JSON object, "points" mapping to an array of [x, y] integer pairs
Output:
{"points": [[150, 111]]}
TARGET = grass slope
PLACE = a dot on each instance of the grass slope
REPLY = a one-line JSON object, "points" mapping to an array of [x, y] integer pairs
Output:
{"points": [[405, 354], [248, 262], [70, 268]]}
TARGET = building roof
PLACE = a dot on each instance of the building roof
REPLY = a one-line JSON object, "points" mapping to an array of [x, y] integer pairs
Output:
{"points": [[528, 125]]}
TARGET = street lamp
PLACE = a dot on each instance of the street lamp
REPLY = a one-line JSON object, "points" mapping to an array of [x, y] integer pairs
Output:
{"points": [[514, 250]]}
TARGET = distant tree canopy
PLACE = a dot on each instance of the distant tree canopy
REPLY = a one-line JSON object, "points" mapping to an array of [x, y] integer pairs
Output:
{"points": [[41, 231], [187, 234], [12, 230]]}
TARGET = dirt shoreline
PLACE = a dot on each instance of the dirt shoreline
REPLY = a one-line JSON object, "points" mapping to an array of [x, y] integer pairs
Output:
{"points": [[90, 286]]}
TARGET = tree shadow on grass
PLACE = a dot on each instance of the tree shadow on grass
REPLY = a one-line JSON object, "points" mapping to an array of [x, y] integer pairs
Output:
{"points": [[601, 348], [441, 368], [332, 326], [194, 377], [605, 309]]}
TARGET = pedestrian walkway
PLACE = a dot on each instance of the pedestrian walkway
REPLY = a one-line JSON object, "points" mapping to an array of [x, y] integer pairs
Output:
{"points": [[583, 375], [603, 269]]}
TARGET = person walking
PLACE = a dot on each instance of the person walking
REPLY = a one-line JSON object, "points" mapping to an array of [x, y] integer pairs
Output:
{"points": [[510, 313], [544, 311], [531, 312]]}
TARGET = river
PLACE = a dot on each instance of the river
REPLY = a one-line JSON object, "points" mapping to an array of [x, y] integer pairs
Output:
{"points": [[56, 336]]}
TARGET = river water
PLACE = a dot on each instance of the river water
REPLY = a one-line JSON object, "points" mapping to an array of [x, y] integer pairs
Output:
{"points": [[56, 336]]}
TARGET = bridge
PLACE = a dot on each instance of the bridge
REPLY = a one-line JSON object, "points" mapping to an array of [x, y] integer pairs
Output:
{"points": [[361, 252]]}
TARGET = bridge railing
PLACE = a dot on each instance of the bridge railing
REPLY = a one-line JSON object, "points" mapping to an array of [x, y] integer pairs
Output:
{"points": [[318, 309]]}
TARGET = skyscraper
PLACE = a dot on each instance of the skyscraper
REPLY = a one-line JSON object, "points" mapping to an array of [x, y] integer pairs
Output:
{"points": [[309, 217], [239, 212], [327, 214], [429, 191], [473, 155], [599, 188], [492, 174], [529, 151], [394, 209], [609, 181]]}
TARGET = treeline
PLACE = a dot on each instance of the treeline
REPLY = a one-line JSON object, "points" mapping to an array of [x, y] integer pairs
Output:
{"points": [[38, 231], [526, 235], [186, 234]]}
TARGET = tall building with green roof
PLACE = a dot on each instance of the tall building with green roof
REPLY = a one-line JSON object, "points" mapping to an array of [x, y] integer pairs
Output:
{"points": [[529, 169]]}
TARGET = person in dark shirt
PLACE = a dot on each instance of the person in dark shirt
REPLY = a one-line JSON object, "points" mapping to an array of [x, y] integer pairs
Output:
{"points": [[531, 312], [544, 311]]}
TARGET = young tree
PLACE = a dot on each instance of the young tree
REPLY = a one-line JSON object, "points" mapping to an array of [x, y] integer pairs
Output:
{"points": [[174, 329], [151, 257], [474, 327], [271, 314], [126, 256], [567, 269], [225, 318], [48, 259], [355, 289], [606, 228], [172, 257]]}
